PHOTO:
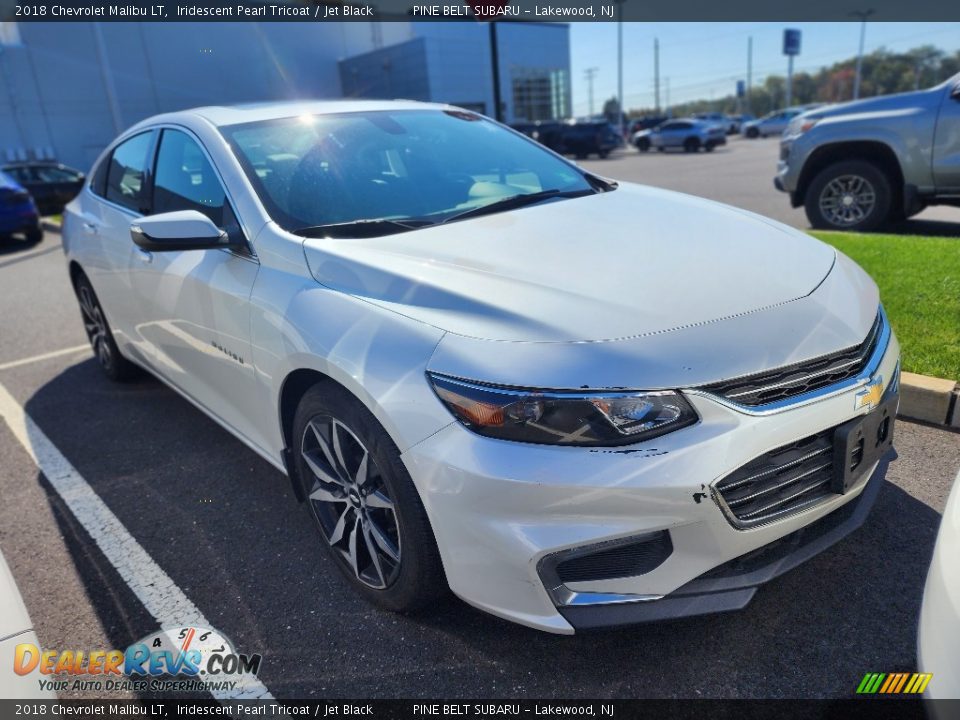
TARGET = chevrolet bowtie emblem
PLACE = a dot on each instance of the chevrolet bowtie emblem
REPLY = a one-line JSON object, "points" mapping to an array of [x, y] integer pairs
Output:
{"points": [[870, 395]]}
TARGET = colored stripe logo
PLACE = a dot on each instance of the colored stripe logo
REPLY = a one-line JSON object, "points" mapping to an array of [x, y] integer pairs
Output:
{"points": [[894, 683]]}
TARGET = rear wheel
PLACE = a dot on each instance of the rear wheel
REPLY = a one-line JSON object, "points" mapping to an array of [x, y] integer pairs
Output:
{"points": [[364, 503], [34, 236], [709, 146], [851, 195], [114, 365]]}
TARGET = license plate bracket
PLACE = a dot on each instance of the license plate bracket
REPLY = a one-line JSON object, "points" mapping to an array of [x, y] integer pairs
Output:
{"points": [[858, 444]]}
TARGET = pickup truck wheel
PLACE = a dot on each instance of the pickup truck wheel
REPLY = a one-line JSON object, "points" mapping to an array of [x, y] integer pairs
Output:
{"points": [[114, 365], [364, 503], [849, 195]]}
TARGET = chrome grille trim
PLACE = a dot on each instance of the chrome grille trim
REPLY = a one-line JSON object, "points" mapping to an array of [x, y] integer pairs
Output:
{"points": [[782, 481], [878, 347]]}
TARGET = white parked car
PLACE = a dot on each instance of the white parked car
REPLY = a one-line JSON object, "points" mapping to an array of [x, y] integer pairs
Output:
{"points": [[576, 403], [16, 629], [939, 634]]}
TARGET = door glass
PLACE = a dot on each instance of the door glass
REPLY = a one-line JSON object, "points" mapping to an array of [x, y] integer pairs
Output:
{"points": [[185, 180], [125, 178]]}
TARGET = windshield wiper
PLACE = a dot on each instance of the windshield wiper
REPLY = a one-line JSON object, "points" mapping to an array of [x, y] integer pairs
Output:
{"points": [[358, 229], [518, 201]]}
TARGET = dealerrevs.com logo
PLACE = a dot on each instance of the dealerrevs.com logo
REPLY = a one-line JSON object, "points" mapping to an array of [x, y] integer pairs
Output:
{"points": [[185, 659]]}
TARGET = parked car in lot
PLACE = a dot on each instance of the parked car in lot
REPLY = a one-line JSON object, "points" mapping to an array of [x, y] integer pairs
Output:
{"points": [[400, 306], [645, 123], [583, 139], [770, 124], [939, 634], [16, 628], [51, 184], [860, 165], [547, 132], [717, 118], [18, 213], [689, 135], [739, 121]]}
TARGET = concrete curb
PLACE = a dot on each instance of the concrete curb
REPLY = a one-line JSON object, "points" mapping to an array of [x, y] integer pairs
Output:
{"points": [[929, 399]]}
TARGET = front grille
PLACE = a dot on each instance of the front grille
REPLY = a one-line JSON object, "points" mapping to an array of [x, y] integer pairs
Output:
{"points": [[780, 482], [618, 561], [801, 378]]}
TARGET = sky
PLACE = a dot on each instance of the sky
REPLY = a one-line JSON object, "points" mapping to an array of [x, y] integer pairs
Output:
{"points": [[704, 60]]}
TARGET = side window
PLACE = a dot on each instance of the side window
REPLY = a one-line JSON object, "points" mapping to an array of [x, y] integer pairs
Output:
{"points": [[185, 180], [126, 176]]}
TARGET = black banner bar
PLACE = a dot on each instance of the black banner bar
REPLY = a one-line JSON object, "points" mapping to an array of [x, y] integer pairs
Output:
{"points": [[874, 708], [474, 10]]}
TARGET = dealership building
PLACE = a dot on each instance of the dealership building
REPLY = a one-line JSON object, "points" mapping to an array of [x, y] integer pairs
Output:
{"points": [[67, 89]]}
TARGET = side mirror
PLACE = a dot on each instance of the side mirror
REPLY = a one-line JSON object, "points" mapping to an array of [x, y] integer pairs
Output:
{"points": [[180, 230]]}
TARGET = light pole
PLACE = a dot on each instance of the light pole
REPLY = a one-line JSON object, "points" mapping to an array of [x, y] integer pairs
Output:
{"points": [[620, 65], [863, 15]]}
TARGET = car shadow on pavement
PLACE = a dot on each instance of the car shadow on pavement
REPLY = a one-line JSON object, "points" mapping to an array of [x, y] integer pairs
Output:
{"points": [[16, 244], [225, 526]]}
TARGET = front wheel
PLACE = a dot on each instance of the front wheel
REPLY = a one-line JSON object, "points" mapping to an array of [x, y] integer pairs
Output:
{"points": [[643, 144], [709, 146], [852, 195], [364, 503], [34, 236], [691, 145], [114, 365], [753, 133]]}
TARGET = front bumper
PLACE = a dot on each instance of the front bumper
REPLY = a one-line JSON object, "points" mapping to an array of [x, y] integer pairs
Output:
{"points": [[499, 509]]}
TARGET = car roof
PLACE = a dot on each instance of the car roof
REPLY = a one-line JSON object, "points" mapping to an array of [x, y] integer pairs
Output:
{"points": [[8, 182], [222, 115]]}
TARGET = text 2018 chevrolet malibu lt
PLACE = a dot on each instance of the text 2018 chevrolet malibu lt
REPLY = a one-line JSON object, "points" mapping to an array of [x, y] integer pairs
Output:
{"points": [[572, 402]]}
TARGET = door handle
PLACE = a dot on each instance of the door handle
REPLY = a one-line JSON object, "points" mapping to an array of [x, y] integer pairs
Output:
{"points": [[145, 255], [89, 228]]}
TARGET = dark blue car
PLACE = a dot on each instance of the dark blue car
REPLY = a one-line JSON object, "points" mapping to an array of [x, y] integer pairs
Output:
{"points": [[18, 213]]}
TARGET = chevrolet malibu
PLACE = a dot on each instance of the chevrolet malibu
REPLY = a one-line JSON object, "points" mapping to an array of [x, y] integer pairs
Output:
{"points": [[479, 369]]}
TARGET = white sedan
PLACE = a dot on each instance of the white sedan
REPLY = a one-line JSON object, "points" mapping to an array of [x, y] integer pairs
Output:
{"points": [[939, 634], [573, 402]]}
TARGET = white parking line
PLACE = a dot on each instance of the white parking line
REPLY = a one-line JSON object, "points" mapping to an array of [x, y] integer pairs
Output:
{"points": [[152, 586], [46, 356]]}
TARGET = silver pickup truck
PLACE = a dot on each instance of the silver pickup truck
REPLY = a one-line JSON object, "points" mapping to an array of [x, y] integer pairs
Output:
{"points": [[864, 164]]}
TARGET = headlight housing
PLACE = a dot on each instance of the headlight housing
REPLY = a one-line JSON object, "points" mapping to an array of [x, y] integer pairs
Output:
{"points": [[563, 417], [799, 125]]}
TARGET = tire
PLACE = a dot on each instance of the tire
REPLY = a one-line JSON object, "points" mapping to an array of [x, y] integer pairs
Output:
{"points": [[389, 555], [603, 154], [114, 365], [643, 145], [691, 145], [868, 187], [661, 148], [752, 133], [581, 155], [34, 236], [709, 146]]}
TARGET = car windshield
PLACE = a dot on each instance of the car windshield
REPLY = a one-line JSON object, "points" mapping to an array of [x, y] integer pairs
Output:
{"points": [[405, 169]]}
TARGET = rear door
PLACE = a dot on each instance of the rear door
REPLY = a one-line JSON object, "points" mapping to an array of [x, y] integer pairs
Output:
{"points": [[946, 143], [118, 195], [193, 305]]}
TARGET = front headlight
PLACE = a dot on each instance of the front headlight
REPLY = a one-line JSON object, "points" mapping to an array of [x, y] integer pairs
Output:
{"points": [[799, 125], [562, 417]]}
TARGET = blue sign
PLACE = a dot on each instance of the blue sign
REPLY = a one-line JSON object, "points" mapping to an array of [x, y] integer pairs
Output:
{"points": [[741, 88], [791, 42]]}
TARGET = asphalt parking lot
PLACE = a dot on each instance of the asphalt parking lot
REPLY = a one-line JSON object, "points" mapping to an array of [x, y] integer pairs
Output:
{"points": [[225, 527]]}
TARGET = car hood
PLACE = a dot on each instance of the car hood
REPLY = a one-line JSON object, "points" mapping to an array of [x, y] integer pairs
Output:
{"points": [[899, 103], [635, 261]]}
